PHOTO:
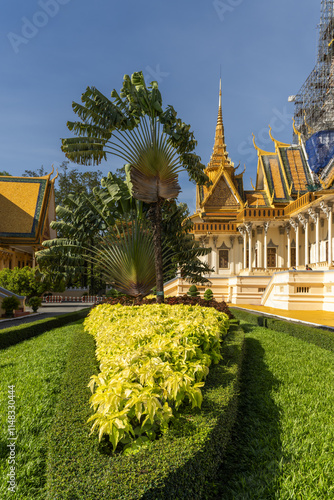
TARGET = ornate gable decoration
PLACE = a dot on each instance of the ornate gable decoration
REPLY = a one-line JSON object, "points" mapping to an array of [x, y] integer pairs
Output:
{"points": [[223, 246], [221, 195]]}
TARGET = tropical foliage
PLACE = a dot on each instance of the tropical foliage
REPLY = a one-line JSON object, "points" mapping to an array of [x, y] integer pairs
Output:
{"points": [[155, 143], [10, 303], [25, 281], [152, 358], [70, 181], [104, 230]]}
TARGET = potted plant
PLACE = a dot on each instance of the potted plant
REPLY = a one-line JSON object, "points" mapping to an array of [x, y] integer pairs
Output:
{"points": [[9, 304], [35, 303]]}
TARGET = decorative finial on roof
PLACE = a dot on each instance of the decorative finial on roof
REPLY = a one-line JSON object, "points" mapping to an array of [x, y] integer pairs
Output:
{"points": [[53, 180], [276, 142], [219, 157], [270, 134], [259, 150], [220, 113]]}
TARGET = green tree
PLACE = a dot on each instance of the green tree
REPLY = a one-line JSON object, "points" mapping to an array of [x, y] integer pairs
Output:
{"points": [[155, 143], [40, 172], [105, 219], [24, 281], [4, 173], [70, 181], [78, 224]]}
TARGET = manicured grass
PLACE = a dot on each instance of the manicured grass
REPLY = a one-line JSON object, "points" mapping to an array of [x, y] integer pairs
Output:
{"points": [[36, 368], [283, 443], [177, 466], [13, 335], [317, 336]]}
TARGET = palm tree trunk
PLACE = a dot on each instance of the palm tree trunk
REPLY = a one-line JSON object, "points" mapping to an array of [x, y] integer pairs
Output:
{"points": [[156, 220]]}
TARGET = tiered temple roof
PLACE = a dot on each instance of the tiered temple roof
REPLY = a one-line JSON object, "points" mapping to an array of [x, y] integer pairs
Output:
{"points": [[283, 175], [26, 209]]}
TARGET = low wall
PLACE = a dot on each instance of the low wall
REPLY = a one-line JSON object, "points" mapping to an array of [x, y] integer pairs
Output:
{"points": [[300, 290]]}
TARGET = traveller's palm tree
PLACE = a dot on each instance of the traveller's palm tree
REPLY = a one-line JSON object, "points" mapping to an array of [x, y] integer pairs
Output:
{"points": [[155, 143]]}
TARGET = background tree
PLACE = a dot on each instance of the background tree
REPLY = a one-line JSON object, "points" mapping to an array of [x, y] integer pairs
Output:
{"points": [[90, 224], [155, 143], [25, 281], [77, 224], [70, 181]]}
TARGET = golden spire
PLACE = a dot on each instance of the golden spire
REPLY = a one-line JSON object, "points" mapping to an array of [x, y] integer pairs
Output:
{"points": [[219, 157]]}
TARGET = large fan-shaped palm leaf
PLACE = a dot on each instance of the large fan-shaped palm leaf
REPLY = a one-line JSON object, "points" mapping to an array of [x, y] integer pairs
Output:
{"points": [[155, 143], [125, 258]]}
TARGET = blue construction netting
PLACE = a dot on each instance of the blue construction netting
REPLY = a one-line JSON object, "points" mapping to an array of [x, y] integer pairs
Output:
{"points": [[320, 149]]}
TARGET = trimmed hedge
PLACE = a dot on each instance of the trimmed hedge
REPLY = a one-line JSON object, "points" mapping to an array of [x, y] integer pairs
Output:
{"points": [[15, 334], [180, 465], [317, 336]]}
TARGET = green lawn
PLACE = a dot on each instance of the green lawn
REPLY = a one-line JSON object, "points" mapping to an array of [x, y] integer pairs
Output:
{"points": [[35, 367], [283, 443]]}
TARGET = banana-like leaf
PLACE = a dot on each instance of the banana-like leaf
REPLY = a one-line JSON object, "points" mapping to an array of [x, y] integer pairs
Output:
{"points": [[126, 258], [134, 127]]}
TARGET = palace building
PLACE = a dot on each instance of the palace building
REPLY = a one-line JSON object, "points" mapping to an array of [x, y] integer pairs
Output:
{"points": [[264, 241], [27, 206]]}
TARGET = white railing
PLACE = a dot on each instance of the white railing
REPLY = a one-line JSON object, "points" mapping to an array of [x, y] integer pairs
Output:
{"points": [[57, 299]]}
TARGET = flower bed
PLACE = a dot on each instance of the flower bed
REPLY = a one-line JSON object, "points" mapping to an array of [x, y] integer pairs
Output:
{"points": [[152, 358]]}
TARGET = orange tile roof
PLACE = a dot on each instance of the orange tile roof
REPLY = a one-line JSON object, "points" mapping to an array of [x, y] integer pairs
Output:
{"points": [[23, 207], [277, 178], [17, 206], [256, 199], [297, 170]]}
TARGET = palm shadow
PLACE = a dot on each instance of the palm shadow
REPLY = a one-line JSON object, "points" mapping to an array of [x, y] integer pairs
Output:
{"points": [[251, 466]]}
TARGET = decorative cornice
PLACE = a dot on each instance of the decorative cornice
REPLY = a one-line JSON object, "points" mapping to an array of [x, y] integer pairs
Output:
{"points": [[248, 227], [326, 208], [266, 227], [294, 224], [303, 219], [313, 214]]}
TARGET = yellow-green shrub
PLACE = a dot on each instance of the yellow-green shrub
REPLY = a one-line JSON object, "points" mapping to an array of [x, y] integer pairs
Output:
{"points": [[151, 358]]}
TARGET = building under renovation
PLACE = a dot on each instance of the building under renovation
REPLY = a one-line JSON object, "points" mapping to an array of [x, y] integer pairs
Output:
{"points": [[274, 245]]}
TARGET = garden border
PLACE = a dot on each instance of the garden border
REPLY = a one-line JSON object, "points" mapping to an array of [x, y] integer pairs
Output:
{"points": [[181, 465], [15, 334], [319, 336]]}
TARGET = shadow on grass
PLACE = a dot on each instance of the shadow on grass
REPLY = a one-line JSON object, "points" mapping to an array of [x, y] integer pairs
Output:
{"points": [[251, 466]]}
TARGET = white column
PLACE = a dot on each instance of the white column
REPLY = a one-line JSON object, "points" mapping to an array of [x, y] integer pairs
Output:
{"points": [[297, 245], [306, 245], [245, 250], [248, 227], [287, 230], [294, 223], [330, 220], [242, 231], [314, 217], [265, 227], [317, 234], [304, 220], [327, 209], [232, 255]]}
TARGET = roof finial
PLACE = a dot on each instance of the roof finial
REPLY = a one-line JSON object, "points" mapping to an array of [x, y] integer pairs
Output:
{"points": [[220, 113], [220, 87]]}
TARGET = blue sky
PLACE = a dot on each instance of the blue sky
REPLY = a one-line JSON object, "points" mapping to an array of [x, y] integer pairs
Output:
{"points": [[52, 50]]}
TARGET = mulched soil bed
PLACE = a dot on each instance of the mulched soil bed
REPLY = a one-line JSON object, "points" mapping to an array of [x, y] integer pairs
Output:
{"points": [[184, 299]]}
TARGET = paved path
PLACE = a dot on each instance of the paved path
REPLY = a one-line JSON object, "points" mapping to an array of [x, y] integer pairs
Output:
{"points": [[312, 318], [48, 311]]}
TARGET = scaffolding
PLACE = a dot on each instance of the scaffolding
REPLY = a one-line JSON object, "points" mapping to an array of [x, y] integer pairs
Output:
{"points": [[314, 104]]}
